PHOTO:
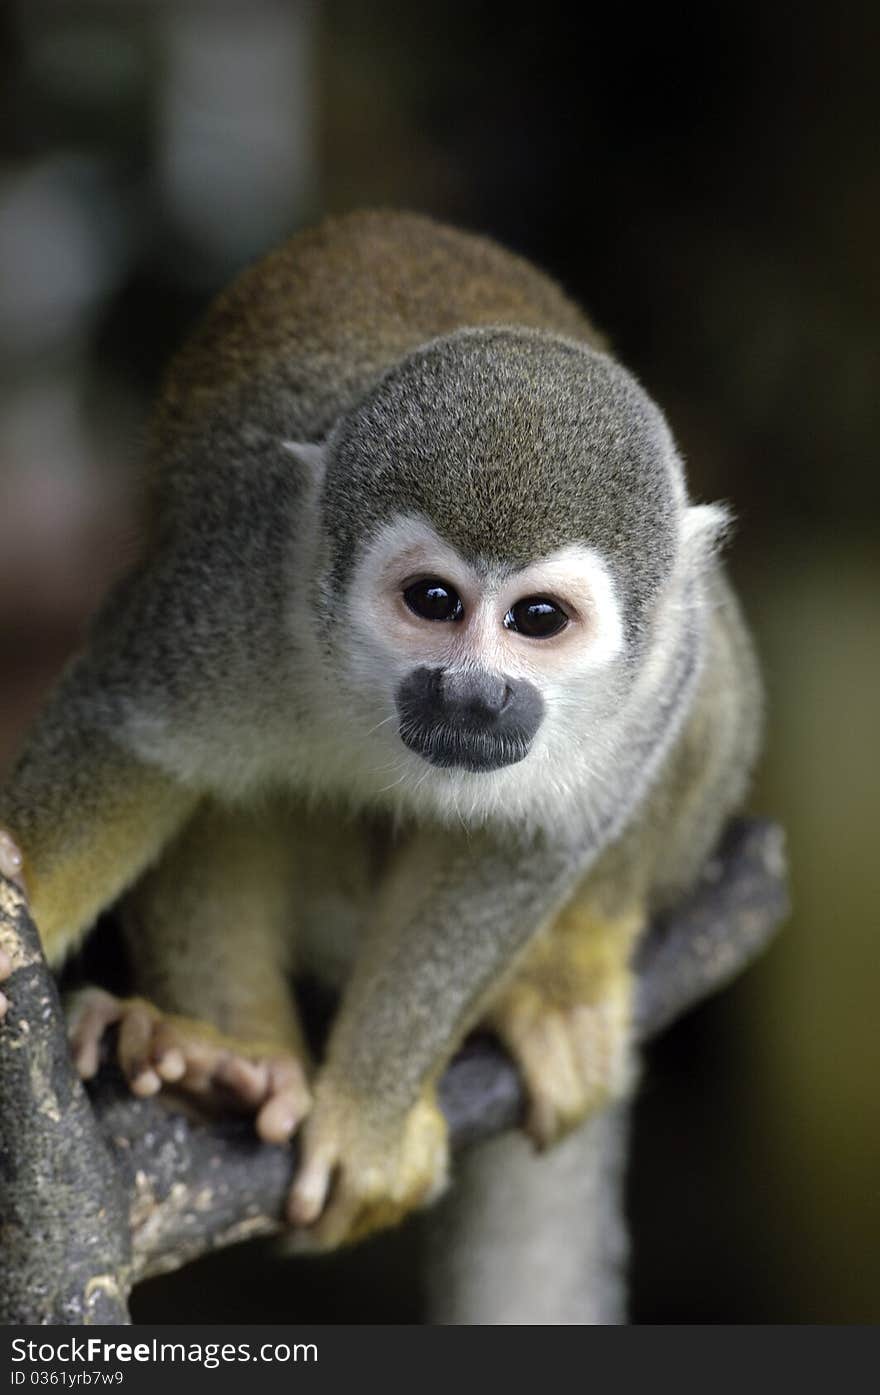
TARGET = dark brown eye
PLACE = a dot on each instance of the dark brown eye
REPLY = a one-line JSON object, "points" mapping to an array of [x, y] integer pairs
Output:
{"points": [[434, 599], [536, 617]]}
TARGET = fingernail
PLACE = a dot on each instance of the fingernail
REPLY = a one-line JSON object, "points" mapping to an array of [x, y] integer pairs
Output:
{"points": [[172, 1065], [146, 1084]]}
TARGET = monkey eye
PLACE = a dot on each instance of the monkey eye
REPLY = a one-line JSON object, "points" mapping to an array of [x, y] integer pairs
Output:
{"points": [[537, 617], [434, 599]]}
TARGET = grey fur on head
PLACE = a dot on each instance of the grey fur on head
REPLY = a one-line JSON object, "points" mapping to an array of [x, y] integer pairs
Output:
{"points": [[512, 444]]}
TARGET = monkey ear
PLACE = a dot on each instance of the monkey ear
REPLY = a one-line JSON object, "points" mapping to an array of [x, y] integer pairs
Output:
{"points": [[704, 529], [309, 455]]}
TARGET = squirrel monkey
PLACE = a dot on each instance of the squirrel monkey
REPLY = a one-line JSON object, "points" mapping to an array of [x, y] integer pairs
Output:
{"points": [[429, 684]]}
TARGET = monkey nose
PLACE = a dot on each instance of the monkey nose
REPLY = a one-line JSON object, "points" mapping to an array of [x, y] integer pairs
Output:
{"points": [[479, 695]]}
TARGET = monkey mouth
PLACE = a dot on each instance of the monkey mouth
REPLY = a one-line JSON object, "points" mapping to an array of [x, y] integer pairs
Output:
{"points": [[454, 748]]}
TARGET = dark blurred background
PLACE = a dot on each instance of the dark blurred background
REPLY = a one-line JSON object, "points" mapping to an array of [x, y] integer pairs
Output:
{"points": [[705, 178]]}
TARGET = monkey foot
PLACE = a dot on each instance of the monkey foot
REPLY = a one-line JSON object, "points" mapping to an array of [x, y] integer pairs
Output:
{"points": [[358, 1174], [573, 1059], [157, 1049]]}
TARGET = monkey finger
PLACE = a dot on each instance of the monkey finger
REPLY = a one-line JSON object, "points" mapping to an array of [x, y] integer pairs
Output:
{"points": [[136, 1049], [170, 1065], [286, 1073], [247, 1080], [309, 1193], [608, 1063], [146, 1083], [201, 1061], [552, 1079], [287, 1106], [345, 1217], [89, 1014], [278, 1119], [4, 1006], [168, 1051]]}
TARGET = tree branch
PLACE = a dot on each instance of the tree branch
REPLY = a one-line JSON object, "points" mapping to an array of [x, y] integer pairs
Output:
{"points": [[95, 1197], [66, 1240]]}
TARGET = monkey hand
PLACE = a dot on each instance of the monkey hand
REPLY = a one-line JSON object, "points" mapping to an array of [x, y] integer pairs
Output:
{"points": [[156, 1049], [11, 867], [11, 859], [573, 1057], [358, 1173]]}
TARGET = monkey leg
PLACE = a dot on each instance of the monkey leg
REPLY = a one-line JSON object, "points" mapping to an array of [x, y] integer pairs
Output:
{"points": [[210, 935], [565, 1015]]}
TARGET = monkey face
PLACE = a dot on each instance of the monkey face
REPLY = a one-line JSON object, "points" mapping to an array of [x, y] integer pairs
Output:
{"points": [[477, 682]]}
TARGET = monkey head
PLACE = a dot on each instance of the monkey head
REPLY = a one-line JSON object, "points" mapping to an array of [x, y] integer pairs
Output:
{"points": [[505, 547]]}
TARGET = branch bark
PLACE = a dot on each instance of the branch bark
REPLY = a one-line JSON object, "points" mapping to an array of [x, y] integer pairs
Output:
{"points": [[98, 1192], [64, 1211]]}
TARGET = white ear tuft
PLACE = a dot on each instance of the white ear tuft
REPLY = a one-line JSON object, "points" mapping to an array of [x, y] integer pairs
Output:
{"points": [[308, 454], [704, 530], [705, 526]]}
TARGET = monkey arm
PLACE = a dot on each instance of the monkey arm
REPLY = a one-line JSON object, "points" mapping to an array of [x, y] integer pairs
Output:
{"points": [[450, 926], [87, 815], [90, 801], [211, 937]]}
